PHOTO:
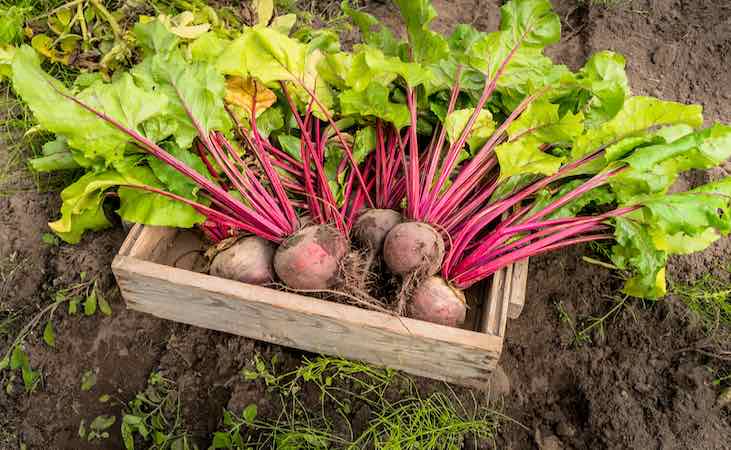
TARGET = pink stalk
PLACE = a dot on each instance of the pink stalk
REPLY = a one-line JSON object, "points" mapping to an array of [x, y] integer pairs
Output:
{"points": [[213, 215], [412, 169], [469, 277], [343, 143]]}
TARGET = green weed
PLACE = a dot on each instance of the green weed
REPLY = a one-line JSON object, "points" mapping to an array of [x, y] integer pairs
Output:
{"points": [[153, 418], [409, 422], [83, 294], [709, 299]]}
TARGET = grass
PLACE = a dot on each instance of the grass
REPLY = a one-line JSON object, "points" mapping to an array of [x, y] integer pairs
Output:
{"points": [[399, 416], [708, 299]]}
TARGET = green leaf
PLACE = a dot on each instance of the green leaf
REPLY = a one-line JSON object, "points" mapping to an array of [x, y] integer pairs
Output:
{"points": [[638, 115], [291, 144], [374, 101], [155, 38], [101, 423], [194, 89], [655, 168], [103, 305], [284, 23], [700, 150], [249, 413], [82, 429], [525, 156], [208, 47], [365, 142], [18, 358], [426, 46], [371, 65], [74, 305], [531, 23], [635, 251], [603, 75], [11, 24], [221, 440], [148, 208], [541, 120], [265, 54], [481, 131], [88, 380], [49, 336], [269, 121], [173, 180], [90, 303], [84, 131]]}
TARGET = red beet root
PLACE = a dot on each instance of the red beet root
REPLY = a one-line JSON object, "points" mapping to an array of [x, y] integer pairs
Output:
{"points": [[310, 258], [436, 301], [413, 247]]}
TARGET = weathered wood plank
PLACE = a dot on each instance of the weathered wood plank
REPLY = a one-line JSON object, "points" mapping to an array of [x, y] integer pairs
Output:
{"points": [[444, 353], [495, 312], [520, 282]]}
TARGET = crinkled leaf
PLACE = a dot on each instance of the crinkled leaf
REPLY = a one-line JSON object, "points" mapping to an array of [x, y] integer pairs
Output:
{"points": [[194, 88], [525, 156], [530, 22], [426, 46], [370, 64], [481, 131], [638, 115], [654, 168], [208, 47], [635, 251], [84, 131], [101, 423], [603, 75], [154, 37], [541, 120], [11, 25], [703, 149], [374, 101], [183, 25]]}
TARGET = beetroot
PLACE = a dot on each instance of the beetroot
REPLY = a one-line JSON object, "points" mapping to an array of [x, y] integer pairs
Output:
{"points": [[373, 225], [310, 258], [434, 300], [249, 260], [412, 247]]}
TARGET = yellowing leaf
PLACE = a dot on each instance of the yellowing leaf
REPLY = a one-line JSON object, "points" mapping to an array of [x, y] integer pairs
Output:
{"points": [[43, 45], [247, 92], [264, 10], [181, 25]]}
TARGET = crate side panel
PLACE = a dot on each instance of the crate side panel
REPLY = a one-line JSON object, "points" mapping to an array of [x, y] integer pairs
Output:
{"points": [[416, 347]]}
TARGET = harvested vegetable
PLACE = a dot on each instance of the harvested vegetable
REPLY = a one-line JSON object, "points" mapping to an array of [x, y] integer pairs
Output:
{"points": [[453, 155]]}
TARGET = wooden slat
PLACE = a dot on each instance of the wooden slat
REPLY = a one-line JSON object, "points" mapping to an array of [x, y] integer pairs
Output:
{"points": [[495, 312], [444, 353], [518, 289]]}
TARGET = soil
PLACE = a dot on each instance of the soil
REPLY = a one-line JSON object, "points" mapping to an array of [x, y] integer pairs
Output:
{"points": [[638, 384]]}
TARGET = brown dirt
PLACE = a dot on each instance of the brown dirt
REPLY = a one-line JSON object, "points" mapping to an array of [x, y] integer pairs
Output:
{"points": [[637, 387]]}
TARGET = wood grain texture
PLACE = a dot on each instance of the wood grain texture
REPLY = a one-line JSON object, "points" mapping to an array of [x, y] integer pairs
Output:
{"points": [[421, 348], [417, 347], [518, 291], [495, 312]]}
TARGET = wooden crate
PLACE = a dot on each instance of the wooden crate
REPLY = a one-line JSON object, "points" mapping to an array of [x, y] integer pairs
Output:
{"points": [[153, 272]]}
